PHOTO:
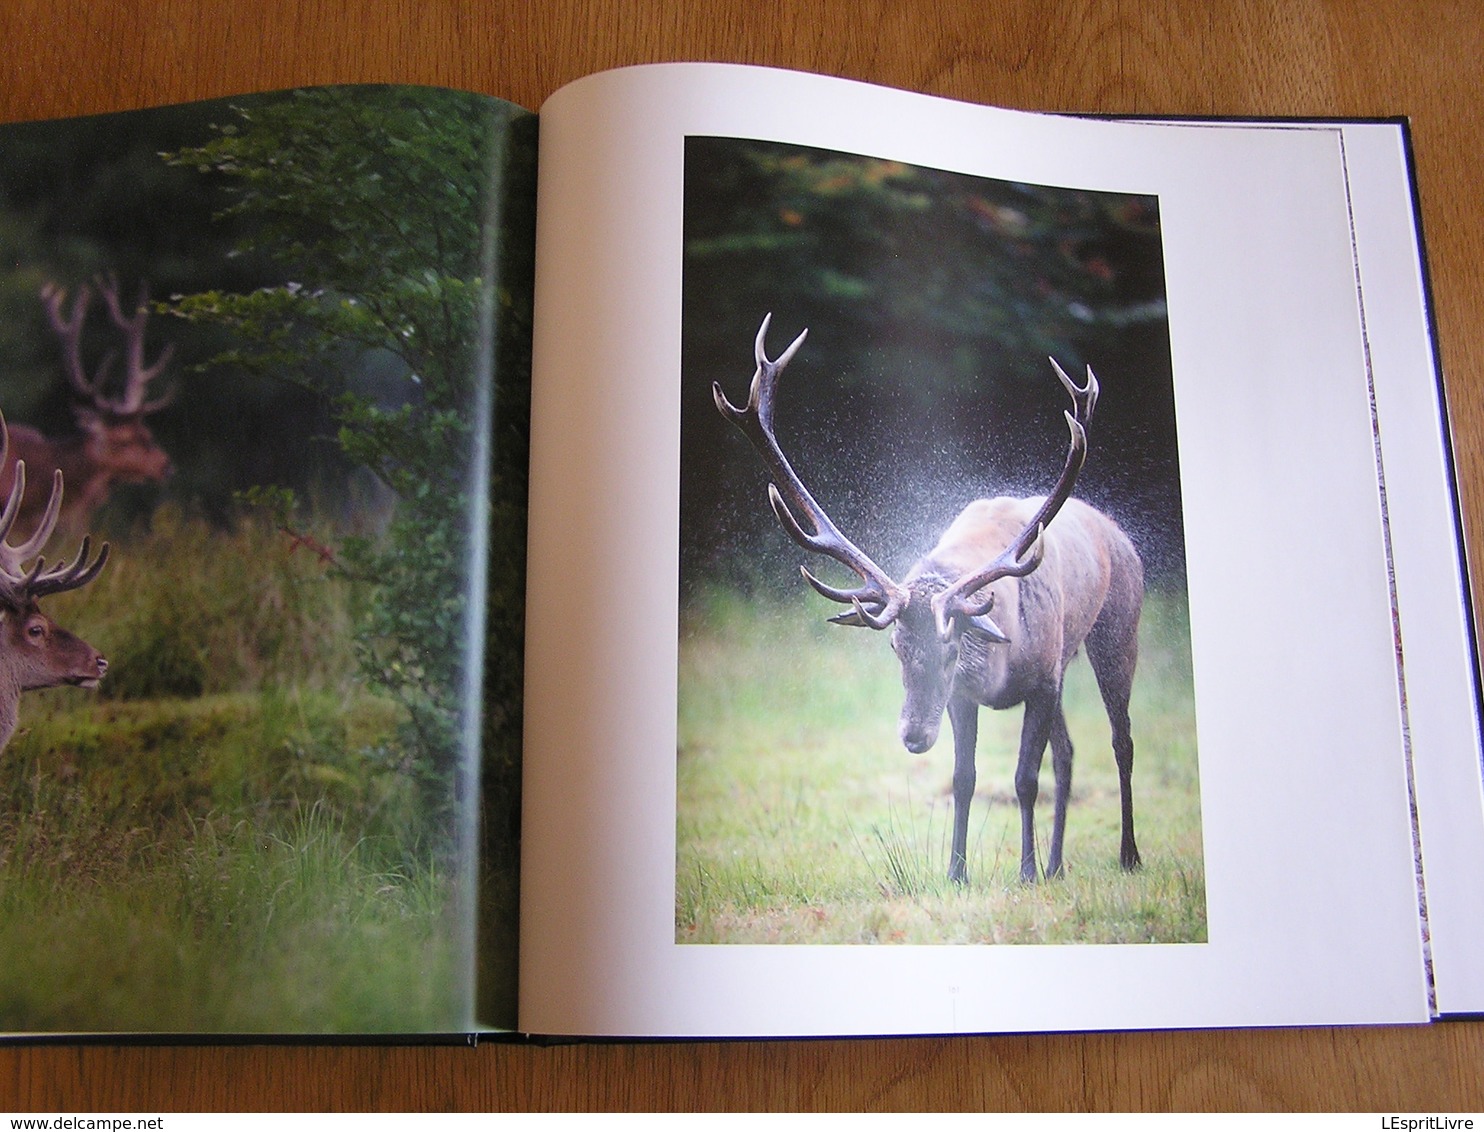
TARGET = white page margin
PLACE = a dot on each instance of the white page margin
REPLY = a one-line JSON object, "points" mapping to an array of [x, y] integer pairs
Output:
{"points": [[1437, 650]]}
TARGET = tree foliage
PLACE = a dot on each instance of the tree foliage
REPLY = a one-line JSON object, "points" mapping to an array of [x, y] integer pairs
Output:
{"points": [[979, 274], [372, 208]]}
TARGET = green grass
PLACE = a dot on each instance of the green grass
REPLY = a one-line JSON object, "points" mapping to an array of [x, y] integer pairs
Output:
{"points": [[187, 608], [801, 819], [228, 838], [222, 925]]}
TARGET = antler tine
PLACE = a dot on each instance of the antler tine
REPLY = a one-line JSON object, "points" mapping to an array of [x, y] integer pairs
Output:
{"points": [[12, 557], [17, 485], [33, 545], [879, 599], [108, 287], [137, 375], [17, 584], [1024, 553], [165, 399], [69, 330], [1084, 399], [71, 576]]}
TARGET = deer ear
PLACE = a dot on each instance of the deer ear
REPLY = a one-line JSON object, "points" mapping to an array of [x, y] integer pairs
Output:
{"points": [[851, 617], [986, 627]]}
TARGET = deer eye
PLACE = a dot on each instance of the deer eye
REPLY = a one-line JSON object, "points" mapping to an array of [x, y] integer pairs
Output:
{"points": [[36, 631]]}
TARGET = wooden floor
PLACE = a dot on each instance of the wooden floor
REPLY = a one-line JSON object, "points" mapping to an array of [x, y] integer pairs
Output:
{"points": [[1296, 57]]}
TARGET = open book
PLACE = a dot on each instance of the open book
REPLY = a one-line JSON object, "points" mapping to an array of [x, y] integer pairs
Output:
{"points": [[461, 674]]}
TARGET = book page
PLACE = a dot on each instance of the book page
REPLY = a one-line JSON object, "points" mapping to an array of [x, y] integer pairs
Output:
{"points": [[723, 833], [1426, 551], [250, 348], [1438, 649]]}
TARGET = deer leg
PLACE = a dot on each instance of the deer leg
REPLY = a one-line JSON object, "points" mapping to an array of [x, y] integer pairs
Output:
{"points": [[963, 715], [1061, 764], [1033, 734], [1114, 668], [1123, 754]]}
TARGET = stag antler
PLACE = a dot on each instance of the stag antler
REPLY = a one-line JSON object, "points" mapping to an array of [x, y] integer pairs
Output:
{"points": [[17, 584], [1024, 552], [137, 375], [878, 600]]}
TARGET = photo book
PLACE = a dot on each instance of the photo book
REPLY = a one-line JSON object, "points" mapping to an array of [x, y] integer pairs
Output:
{"points": [[740, 553]]}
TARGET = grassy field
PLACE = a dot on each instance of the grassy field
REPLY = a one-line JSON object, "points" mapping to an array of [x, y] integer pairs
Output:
{"points": [[222, 838], [801, 819]]}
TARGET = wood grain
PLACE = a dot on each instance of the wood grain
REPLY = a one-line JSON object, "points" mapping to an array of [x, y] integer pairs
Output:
{"points": [[1248, 57]]}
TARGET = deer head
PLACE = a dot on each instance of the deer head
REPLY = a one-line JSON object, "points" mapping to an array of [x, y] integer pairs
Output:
{"points": [[35, 652]]}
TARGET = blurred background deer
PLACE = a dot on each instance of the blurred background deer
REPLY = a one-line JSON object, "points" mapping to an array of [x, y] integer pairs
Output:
{"points": [[113, 444]]}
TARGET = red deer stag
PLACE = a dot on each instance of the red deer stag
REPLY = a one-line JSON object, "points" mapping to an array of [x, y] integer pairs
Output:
{"points": [[1053, 586], [113, 444], [35, 652]]}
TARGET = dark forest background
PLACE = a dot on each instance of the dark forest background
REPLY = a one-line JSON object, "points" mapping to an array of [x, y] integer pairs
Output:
{"points": [[933, 300]]}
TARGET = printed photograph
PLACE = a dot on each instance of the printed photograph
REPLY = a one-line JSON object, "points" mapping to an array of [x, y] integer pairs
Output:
{"points": [[934, 661], [248, 347]]}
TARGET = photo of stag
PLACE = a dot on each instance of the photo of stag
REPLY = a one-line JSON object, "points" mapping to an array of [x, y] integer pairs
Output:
{"points": [[840, 847]]}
